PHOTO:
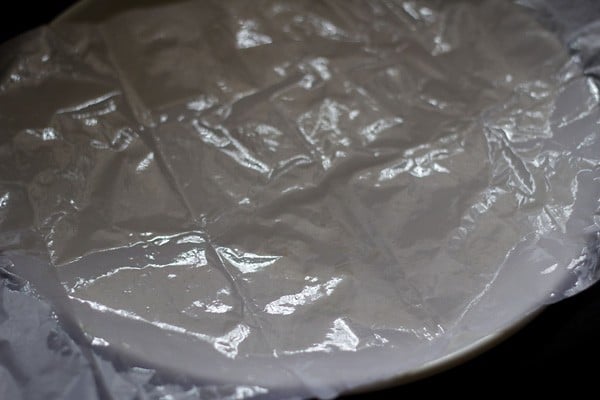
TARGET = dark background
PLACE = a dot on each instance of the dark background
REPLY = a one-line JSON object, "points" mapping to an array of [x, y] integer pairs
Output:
{"points": [[558, 350]]}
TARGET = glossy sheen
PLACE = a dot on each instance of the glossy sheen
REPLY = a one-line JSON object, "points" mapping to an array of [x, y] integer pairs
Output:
{"points": [[303, 196]]}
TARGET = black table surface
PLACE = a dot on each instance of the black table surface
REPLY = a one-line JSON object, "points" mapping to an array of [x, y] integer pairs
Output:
{"points": [[557, 350]]}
